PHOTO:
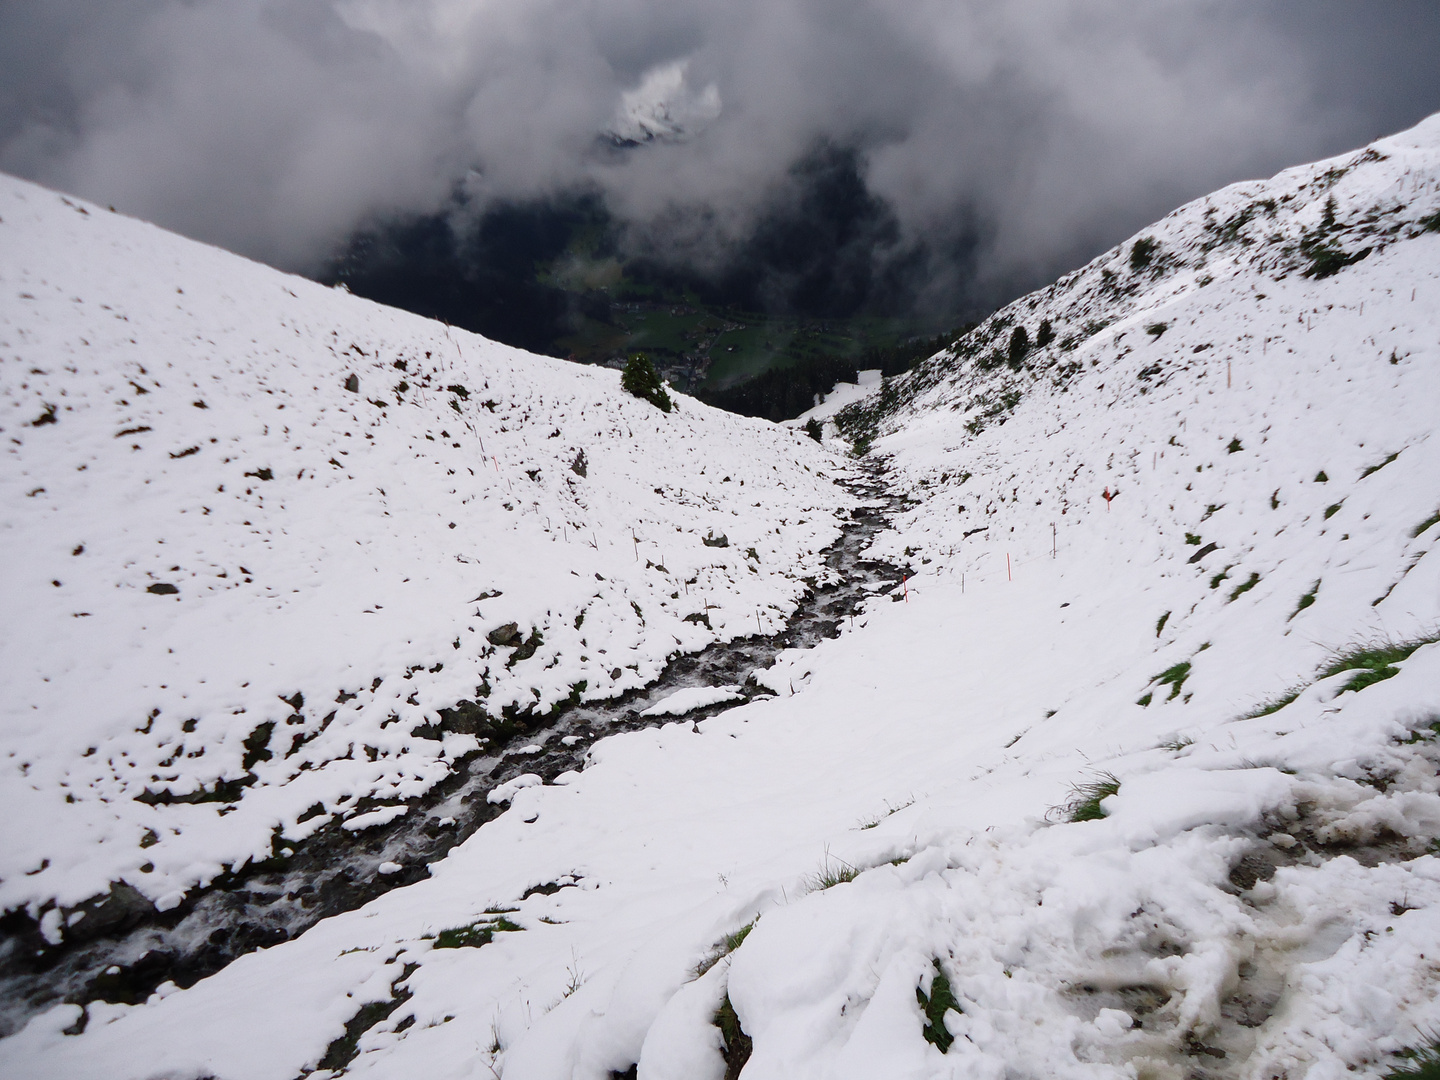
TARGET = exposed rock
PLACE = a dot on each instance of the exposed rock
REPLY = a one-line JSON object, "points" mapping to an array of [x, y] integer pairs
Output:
{"points": [[506, 635]]}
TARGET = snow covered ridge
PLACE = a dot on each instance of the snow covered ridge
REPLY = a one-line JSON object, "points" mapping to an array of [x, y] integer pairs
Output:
{"points": [[1131, 789], [257, 534], [1310, 222]]}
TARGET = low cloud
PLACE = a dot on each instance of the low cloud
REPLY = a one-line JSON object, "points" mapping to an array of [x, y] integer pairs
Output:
{"points": [[1006, 140]]}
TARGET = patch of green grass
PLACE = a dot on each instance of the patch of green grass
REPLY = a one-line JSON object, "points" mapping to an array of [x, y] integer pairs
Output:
{"points": [[870, 823], [1306, 600], [1160, 622], [1145, 699], [1427, 523], [1234, 447], [1244, 587], [1275, 704], [734, 940], [345, 1049], [735, 1045], [1321, 478], [1174, 677], [1085, 798], [940, 1001], [1377, 468], [832, 872], [1156, 329], [1374, 662], [1177, 744], [1421, 1062], [727, 945], [1333, 509], [1218, 578], [475, 935]]}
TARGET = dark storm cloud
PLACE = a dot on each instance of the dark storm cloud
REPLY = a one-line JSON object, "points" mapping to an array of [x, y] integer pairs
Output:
{"points": [[1024, 136]]}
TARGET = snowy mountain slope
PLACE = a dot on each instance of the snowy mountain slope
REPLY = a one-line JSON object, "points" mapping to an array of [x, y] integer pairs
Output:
{"points": [[257, 533], [1236, 891]]}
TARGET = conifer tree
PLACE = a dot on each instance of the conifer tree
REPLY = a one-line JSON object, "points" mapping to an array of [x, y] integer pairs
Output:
{"points": [[641, 379]]}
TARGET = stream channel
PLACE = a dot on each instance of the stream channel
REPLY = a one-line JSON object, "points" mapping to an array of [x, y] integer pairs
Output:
{"points": [[131, 949]]}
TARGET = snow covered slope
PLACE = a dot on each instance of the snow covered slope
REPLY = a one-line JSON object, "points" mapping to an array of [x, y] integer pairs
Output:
{"points": [[257, 533], [1142, 788]]}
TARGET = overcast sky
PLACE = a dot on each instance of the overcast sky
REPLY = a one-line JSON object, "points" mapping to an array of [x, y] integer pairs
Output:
{"points": [[1046, 128]]}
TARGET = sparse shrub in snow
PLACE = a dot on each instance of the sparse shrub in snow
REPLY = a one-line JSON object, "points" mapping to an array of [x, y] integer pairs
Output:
{"points": [[1142, 252], [1019, 347], [1085, 799], [641, 379]]}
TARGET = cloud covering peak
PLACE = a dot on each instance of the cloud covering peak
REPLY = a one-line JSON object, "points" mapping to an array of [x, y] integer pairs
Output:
{"points": [[1029, 135]]}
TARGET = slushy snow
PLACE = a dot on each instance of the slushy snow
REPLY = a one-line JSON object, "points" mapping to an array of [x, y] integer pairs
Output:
{"points": [[1249, 892]]}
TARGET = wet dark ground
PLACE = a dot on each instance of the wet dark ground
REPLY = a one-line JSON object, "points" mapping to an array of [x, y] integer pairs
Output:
{"points": [[124, 949]]}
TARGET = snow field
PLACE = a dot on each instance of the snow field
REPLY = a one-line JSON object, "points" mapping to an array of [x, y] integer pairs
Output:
{"points": [[329, 562], [1258, 899]]}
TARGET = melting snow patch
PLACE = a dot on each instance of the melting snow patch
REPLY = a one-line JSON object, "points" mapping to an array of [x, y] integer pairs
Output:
{"points": [[692, 698], [506, 791], [383, 816]]}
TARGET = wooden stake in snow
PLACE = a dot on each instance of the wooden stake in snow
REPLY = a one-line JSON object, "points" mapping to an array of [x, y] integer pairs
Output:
{"points": [[1227, 374], [1054, 540], [905, 585], [1007, 567], [1107, 495]]}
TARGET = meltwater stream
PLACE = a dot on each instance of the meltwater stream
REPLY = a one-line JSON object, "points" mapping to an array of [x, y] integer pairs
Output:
{"points": [[132, 949]]}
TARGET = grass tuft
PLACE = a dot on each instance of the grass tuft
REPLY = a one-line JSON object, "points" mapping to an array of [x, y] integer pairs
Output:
{"points": [[870, 823], [1275, 704], [1376, 468], [735, 1045], [1244, 587], [940, 1001], [1373, 662], [1306, 600], [1422, 1062], [1086, 797], [727, 945], [475, 935], [1433, 519], [1174, 677], [831, 873]]}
